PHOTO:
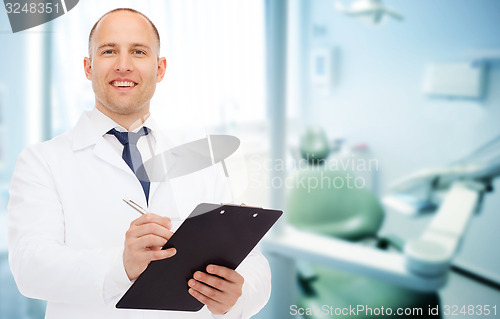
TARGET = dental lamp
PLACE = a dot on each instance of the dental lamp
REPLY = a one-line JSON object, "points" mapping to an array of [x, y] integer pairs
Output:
{"points": [[372, 11]]}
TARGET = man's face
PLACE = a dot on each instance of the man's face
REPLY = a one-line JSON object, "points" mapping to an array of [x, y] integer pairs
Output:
{"points": [[124, 66]]}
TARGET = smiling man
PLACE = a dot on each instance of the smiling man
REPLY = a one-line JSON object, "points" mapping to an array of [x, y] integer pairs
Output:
{"points": [[72, 241], [124, 65]]}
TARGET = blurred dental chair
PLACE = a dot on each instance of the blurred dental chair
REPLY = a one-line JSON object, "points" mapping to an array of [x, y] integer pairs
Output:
{"points": [[345, 212]]}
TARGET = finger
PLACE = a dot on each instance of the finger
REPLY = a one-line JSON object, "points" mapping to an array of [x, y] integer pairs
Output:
{"points": [[226, 273], [161, 254], [207, 295], [214, 306], [213, 281], [153, 218], [207, 291], [150, 228], [148, 241]]}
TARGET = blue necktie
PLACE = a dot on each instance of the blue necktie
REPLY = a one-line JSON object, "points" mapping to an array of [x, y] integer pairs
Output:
{"points": [[132, 156]]}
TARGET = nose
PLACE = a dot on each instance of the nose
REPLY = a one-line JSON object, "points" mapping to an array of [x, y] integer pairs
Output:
{"points": [[124, 63]]}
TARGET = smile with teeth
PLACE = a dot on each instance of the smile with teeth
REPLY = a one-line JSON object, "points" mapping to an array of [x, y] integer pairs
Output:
{"points": [[123, 84]]}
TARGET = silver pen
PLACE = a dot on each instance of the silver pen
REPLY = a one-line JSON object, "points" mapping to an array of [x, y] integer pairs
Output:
{"points": [[135, 206]]}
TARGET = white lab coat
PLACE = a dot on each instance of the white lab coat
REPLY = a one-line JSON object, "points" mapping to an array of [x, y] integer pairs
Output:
{"points": [[67, 225]]}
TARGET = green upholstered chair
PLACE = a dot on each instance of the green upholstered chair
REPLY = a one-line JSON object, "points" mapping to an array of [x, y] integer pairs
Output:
{"points": [[348, 213]]}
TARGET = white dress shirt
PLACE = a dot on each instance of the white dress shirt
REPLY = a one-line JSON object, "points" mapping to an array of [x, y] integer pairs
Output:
{"points": [[146, 143], [67, 222]]}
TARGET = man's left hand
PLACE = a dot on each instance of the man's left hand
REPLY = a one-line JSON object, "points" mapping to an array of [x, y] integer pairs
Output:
{"points": [[219, 288]]}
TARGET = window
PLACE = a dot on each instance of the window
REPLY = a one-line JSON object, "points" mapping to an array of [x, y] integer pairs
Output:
{"points": [[215, 62]]}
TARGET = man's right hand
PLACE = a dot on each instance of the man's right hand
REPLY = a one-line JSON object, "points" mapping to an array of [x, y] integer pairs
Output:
{"points": [[143, 242]]}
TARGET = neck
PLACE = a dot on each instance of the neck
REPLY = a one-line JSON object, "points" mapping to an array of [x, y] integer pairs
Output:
{"points": [[128, 121]]}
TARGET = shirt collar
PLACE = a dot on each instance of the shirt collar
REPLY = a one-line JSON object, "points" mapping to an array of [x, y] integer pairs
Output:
{"points": [[93, 125], [103, 123]]}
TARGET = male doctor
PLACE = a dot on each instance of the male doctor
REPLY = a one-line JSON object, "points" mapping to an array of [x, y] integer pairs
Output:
{"points": [[72, 240]]}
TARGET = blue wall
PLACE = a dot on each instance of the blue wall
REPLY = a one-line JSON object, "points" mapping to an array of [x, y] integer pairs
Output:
{"points": [[377, 97], [13, 88], [13, 72]]}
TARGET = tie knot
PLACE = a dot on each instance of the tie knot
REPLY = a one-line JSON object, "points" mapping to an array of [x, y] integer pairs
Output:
{"points": [[129, 137]]}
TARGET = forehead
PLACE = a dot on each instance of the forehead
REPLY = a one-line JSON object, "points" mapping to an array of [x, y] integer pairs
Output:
{"points": [[124, 27]]}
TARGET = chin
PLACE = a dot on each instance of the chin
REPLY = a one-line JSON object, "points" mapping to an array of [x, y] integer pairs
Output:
{"points": [[126, 110]]}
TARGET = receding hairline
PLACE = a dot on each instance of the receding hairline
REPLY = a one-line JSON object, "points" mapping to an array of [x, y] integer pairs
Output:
{"points": [[92, 31]]}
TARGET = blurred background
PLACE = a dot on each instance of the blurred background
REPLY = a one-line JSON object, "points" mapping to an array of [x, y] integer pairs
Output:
{"points": [[363, 91]]}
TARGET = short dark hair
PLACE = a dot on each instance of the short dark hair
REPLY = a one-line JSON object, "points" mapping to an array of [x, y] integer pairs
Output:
{"points": [[124, 9]]}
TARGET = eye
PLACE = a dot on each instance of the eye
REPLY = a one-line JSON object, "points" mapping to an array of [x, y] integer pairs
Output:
{"points": [[139, 52], [106, 52]]}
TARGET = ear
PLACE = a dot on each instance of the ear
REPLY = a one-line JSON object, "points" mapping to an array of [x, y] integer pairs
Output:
{"points": [[162, 66], [87, 66]]}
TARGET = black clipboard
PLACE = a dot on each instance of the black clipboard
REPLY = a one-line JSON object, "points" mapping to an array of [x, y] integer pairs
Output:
{"points": [[212, 234]]}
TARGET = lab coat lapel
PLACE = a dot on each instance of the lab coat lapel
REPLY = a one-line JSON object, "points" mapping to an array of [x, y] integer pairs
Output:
{"points": [[86, 135], [105, 152], [163, 144]]}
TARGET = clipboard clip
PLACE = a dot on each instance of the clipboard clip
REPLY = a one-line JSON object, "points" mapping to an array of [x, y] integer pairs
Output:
{"points": [[241, 205]]}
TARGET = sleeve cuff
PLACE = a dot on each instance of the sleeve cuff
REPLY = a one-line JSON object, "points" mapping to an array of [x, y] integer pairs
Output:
{"points": [[116, 281], [236, 312]]}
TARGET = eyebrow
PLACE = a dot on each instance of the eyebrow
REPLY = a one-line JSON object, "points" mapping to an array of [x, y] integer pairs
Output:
{"points": [[113, 45], [105, 45], [140, 45]]}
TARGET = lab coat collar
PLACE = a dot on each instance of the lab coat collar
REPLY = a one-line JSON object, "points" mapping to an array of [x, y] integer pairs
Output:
{"points": [[88, 132], [85, 133], [163, 143]]}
